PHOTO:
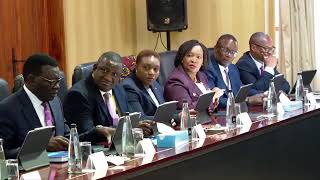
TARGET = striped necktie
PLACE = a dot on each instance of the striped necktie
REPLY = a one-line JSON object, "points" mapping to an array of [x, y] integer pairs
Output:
{"points": [[111, 109], [47, 114], [227, 79]]}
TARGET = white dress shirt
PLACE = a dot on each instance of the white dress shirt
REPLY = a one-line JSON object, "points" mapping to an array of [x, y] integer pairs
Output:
{"points": [[259, 65], [224, 76], [153, 97], [36, 103]]}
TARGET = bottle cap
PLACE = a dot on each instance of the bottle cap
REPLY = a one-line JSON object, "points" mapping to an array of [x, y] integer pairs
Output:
{"points": [[127, 113], [184, 101], [73, 125], [229, 90]]}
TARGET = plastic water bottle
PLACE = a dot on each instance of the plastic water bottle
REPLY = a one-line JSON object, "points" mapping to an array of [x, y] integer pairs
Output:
{"points": [[3, 168], [185, 121], [231, 113], [127, 137], [272, 99], [74, 153], [299, 88]]}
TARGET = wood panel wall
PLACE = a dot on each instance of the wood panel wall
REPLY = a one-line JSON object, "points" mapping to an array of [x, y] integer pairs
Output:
{"points": [[29, 27]]}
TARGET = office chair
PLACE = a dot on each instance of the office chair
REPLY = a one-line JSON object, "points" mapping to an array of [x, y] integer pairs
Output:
{"points": [[166, 65], [4, 90], [210, 53], [81, 71]]}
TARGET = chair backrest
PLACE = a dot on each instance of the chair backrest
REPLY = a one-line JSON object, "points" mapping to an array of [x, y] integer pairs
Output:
{"points": [[210, 52], [166, 65], [4, 90], [19, 82], [81, 71]]}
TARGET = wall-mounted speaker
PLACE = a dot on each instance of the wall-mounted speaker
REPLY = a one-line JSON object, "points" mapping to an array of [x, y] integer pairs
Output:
{"points": [[167, 15]]}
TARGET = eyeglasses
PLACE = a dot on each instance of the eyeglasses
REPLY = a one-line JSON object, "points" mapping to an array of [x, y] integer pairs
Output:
{"points": [[52, 82], [268, 50], [227, 51]]}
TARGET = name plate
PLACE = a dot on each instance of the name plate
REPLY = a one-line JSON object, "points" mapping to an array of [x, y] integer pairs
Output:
{"points": [[200, 131], [280, 108], [98, 160], [35, 175], [244, 119], [145, 146], [311, 98]]}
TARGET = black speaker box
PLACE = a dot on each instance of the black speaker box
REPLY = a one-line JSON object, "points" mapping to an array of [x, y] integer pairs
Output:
{"points": [[167, 15]]}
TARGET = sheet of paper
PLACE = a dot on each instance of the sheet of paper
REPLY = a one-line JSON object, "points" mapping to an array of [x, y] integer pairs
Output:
{"points": [[164, 129]]}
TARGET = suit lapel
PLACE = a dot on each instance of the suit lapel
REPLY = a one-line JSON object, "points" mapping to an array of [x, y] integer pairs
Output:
{"points": [[54, 111], [157, 92], [253, 66], [120, 100], [217, 68], [28, 110], [101, 103], [145, 92], [233, 80]]}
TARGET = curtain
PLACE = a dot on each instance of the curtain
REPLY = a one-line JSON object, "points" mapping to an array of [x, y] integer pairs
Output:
{"points": [[297, 47]]}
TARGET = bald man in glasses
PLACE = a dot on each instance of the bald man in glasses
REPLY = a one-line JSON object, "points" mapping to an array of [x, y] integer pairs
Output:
{"points": [[259, 65]]}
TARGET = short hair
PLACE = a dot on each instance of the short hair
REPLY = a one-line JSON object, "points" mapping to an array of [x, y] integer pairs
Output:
{"points": [[257, 37], [225, 37], [146, 53], [112, 56], [35, 62], [187, 47]]}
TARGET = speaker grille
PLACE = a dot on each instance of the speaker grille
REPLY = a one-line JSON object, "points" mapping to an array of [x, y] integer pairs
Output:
{"points": [[166, 15]]}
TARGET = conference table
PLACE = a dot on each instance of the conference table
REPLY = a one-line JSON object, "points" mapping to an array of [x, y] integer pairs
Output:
{"points": [[283, 147]]}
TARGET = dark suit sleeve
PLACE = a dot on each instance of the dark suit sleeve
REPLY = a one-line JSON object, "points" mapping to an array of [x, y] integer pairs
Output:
{"points": [[285, 87], [7, 133], [134, 101], [78, 110], [176, 90], [211, 76], [260, 84]]}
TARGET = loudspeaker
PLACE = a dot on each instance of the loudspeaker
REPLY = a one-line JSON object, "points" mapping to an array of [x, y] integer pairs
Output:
{"points": [[167, 15]]}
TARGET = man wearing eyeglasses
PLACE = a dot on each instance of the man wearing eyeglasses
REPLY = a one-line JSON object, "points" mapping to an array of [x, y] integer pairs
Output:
{"points": [[96, 102], [221, 72], [258, 65], [35, 105]]}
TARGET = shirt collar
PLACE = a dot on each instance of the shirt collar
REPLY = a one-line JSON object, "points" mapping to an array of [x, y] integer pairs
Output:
{"points": [[258, 64], [103, 92], [34, 99], [222, 68]]}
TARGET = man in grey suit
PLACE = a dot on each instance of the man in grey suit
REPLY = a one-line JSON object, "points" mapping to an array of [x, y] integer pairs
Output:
{"points": [[35, 105]]}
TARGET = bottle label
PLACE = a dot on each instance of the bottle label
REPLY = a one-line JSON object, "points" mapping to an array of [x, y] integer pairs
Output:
{"points": [[234, 119]]}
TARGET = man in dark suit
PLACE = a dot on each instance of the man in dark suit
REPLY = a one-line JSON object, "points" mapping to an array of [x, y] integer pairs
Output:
{"points": [[221, 72], [35, 105], [96, 103], [258, 65], [144, 93]]}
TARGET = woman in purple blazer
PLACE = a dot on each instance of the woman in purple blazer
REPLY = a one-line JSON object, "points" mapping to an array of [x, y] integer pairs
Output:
{"points": [[187, 81]]}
